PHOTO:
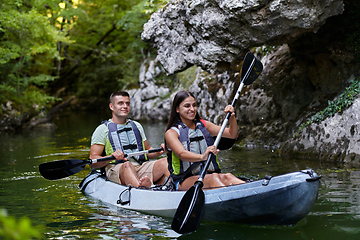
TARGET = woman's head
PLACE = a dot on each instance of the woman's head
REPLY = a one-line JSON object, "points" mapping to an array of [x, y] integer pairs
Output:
{"points": [[174, 113]]}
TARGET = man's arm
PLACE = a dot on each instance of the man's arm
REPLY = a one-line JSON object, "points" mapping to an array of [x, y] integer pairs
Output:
{"points": [[95, 152]]}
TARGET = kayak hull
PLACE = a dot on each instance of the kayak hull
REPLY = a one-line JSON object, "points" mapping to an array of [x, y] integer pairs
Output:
{"points": [[279, 200]]}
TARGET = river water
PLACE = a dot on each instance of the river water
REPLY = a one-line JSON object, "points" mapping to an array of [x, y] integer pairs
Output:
{"points": [[61, 211]]}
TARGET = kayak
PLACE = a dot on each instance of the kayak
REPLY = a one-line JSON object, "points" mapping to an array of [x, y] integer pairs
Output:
{"points": [[277, 200]]}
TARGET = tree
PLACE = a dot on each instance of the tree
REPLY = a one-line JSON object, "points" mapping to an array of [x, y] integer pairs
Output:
{"points": [[28, 47], [108, 51]]}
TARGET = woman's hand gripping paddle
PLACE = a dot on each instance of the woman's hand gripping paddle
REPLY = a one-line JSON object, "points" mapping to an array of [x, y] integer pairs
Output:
{"points": [[65, 168], [190, 210]]}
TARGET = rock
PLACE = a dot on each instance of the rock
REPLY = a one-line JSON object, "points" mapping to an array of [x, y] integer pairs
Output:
{"points": [[214, 33], [150, 102], [335, 138], [212, 93]]}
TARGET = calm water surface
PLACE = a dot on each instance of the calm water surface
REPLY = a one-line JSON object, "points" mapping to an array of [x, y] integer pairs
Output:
{"points": [[63, 212]]}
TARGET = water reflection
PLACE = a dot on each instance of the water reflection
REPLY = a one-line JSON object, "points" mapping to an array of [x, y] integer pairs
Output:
{"points": [[64, 212]]}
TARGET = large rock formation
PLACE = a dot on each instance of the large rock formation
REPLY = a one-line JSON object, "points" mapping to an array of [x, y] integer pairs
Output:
{"points": [[214, 33], [312, 63]]}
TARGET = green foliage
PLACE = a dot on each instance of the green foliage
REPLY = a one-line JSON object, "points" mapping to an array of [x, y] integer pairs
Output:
{"points": [[263, 50], [344, 101], [11, 229], [28, 48], [88, 47], [108, 52]]}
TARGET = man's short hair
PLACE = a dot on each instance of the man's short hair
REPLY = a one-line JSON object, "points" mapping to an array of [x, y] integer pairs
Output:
{"points": [[118, 93]]}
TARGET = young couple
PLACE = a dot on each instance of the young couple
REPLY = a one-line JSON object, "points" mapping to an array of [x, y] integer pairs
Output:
{"points": [[188, 143]]}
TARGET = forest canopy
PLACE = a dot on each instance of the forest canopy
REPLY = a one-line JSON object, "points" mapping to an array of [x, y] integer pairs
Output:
{"points": [[52, 48]]}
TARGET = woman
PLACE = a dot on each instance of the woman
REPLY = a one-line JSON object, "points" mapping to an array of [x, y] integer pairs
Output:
{"points": [[189, 141]]}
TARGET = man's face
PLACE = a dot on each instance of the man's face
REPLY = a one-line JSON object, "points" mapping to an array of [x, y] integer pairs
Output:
{"points": [[120, 106]]}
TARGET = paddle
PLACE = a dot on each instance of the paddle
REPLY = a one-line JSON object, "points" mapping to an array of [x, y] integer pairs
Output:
{"points": [[64, 168], [225, 143], [191, 207]]}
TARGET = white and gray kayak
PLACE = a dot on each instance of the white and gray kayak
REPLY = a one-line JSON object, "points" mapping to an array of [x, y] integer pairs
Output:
{"points": [[278, 200]]}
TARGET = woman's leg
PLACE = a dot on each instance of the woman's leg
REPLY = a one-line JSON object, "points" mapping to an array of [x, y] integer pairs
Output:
{"points": [[213, 181], [188, 183], [210, 181], [229, 179]]}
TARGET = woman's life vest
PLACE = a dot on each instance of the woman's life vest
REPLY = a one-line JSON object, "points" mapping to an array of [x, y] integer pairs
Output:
{"points": [[196, 141], [126, 138]]}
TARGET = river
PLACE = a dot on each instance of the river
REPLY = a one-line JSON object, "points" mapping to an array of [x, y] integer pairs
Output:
{"points": [[61, 211]]}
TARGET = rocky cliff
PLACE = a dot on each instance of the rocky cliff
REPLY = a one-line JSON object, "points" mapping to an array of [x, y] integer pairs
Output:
{"points": [[312, 61], [214, 33]]}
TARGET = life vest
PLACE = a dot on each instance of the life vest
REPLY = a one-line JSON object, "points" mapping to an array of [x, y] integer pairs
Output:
{"points": [[195, 141], [126, 138]]}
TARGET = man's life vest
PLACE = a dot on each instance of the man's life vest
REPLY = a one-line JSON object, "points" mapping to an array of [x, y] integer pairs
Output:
{"points": [[126, 138], [196, 141]]}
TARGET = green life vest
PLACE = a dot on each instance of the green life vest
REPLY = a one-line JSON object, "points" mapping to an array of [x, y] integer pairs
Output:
{"points": [[126, 138], [196, 141]]}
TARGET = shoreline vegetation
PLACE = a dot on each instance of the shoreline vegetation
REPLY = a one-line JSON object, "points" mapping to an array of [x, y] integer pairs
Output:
{"points": [[52, 50]]}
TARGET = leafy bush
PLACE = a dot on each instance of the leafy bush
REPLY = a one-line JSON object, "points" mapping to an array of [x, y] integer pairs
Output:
{"points": [[11, 229]]}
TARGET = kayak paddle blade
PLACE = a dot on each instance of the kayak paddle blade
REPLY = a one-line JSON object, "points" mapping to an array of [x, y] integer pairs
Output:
{"points": [[62, 168], [254, 72], [225, 143], [190, 210]]}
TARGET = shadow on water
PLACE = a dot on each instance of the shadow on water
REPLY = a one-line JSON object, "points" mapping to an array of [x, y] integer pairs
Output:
{"points": [[64, 212]]}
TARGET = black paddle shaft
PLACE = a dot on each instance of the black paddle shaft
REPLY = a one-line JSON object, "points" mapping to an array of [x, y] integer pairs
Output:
{"points": [[65, 168], [243, 82]]}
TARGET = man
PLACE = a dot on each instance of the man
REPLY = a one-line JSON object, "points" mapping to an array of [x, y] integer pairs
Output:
{"points": [[121, 135]]}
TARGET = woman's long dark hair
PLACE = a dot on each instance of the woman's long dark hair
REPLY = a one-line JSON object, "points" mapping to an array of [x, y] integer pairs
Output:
{"points": [[174, 116]]}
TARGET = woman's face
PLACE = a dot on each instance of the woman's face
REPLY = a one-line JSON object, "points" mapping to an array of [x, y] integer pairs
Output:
{"points": [[187, 109]]}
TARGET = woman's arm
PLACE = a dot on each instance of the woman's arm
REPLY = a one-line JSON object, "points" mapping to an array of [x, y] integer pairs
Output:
{"points": [[172, 140], [230, 132]]}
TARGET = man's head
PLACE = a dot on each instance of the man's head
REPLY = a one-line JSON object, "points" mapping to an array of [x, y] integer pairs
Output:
{"points": [[120, 105], [119, 93]]}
